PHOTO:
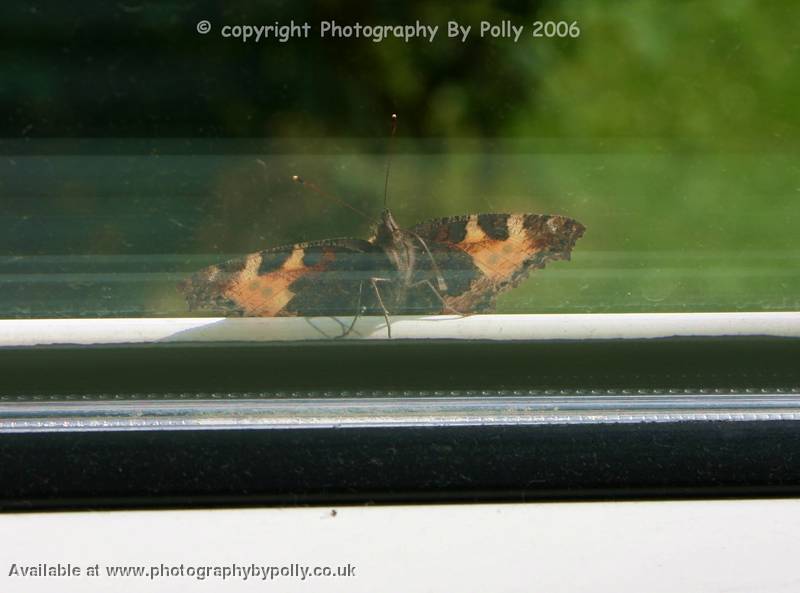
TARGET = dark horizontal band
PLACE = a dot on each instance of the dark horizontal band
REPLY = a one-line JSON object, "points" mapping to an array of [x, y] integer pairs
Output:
{"points": [[401, 422], [398, 464]]}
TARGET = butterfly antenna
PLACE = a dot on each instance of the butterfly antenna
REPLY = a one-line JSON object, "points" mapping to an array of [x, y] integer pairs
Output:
{"points": [[315, 188], [389, 161]]}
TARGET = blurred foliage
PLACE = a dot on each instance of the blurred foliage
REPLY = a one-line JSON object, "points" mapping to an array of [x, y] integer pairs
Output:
{"points": [[141, 69], [669, 128], [721, 71]]}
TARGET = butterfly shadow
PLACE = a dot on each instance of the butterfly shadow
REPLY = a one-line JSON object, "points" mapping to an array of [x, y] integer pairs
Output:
{"points": [[281, 329]]}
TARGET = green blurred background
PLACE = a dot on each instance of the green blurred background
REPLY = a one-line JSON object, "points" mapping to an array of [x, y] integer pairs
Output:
{"points": [[135, 150]]}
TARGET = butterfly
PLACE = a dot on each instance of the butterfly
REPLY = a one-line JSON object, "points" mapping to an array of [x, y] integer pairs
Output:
{"points": [[456, 264]]}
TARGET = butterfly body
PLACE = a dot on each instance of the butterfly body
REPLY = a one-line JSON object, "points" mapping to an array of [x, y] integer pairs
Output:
{"points": [[455, 264]]}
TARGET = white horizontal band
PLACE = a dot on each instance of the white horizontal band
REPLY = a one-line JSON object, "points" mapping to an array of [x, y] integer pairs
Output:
{"points": [[35, 332]]}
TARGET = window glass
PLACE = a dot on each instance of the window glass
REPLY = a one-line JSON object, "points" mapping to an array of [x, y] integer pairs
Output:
{"points": [[654, 143]]}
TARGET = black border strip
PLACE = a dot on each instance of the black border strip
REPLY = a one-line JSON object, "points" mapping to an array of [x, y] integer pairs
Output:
{"points": [[679, 363], [379, 465]]}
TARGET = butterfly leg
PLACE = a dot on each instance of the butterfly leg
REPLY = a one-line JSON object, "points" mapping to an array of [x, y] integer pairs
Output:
{"points": [[357, 315], [439, 277], [374, 282], [439, 296]]}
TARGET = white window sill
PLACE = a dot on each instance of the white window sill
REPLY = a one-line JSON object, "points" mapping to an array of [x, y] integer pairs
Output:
{"points": [[41, 332]]}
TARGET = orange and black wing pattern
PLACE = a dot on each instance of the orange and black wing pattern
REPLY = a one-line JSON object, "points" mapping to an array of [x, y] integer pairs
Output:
{"points": [[482, 255], [305, 279]]}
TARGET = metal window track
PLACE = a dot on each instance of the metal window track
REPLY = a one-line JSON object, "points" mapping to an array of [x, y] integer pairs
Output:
{"points": [[243, 411]]}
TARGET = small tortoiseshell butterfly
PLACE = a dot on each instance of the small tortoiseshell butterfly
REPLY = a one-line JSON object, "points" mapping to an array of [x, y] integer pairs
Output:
{"points": [[457, 264]]}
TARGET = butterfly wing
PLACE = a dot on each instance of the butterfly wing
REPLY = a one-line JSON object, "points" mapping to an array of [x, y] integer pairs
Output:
{"points": [[482, 255], [306, 279]]}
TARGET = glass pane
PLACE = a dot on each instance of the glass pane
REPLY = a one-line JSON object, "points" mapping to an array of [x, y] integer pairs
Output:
{"points": [[138, 151]]}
